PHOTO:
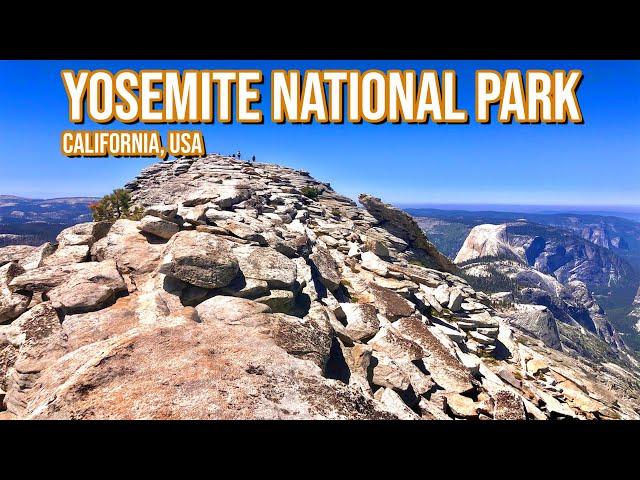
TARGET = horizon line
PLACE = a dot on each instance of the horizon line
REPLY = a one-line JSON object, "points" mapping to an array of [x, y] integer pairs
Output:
{"points": [[581, 205], [403, 204]]}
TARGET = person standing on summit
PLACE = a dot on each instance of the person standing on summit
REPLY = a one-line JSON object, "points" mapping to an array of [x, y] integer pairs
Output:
{"points": [[238, 154]]}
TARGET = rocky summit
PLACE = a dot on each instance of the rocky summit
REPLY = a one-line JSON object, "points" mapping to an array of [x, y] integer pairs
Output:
{"points": [[253, 291]]}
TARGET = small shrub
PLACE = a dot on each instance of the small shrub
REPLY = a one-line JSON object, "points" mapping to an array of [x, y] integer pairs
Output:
{"points": [[115, 206], [310, 192], [346, 283]]}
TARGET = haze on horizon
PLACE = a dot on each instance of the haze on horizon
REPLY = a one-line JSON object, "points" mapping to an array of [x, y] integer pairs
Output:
{"points": [[589, 166]]}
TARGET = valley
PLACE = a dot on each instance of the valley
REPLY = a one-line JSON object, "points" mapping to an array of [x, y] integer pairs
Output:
{"points": [[26, 221]]}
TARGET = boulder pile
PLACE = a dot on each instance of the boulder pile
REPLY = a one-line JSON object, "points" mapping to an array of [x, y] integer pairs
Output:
{"points": [[254, 291]]}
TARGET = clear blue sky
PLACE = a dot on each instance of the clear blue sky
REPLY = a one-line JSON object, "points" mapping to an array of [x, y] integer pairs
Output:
{"points": [[596, 163]]}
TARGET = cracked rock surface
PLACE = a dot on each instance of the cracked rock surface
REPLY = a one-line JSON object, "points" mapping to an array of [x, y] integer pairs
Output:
{"points": [[254, 291]]}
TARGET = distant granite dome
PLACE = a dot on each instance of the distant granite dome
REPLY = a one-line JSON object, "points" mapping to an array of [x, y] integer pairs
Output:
{"points": [[552, 268]]}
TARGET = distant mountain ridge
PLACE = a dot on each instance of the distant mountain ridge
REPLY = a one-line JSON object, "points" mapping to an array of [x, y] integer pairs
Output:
{"points": [[584, 267], [449, 228], [30, 221], [628, 212]]}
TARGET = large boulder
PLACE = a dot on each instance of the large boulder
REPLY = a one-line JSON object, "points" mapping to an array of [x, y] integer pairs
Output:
{"points": [[44, 279], [229, 195], [129, 247], [373, 263], [200, 259], [12, 304], [65, 255], [83, 296], [442, 294], [8, 354], [326, 268], [444, 368], [26, 256], [461, 406], [214, 215], [158, 226], [244, 231], [264, 263], [395, 345], [193, 215], [357, 360], [362, 321], [229, 309], [83, 234], [418, 274], [74, 288], [387, 373], [376, 246], [246, 288], [37, 258], [389, 303], [538, 321], [455, 299], [309, 338], [168, 212]]}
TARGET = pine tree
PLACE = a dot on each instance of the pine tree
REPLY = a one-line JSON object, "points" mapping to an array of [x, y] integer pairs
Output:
{"points": [[115, 206]]}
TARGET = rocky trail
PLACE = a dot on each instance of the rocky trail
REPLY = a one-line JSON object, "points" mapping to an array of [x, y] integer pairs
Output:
{"points": [[253, 291]]}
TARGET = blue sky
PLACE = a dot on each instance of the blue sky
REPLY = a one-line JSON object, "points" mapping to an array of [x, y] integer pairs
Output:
{"points": [[596, 163]]}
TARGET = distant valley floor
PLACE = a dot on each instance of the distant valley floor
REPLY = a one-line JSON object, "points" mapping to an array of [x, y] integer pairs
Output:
{"points": [[26, 221]]}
